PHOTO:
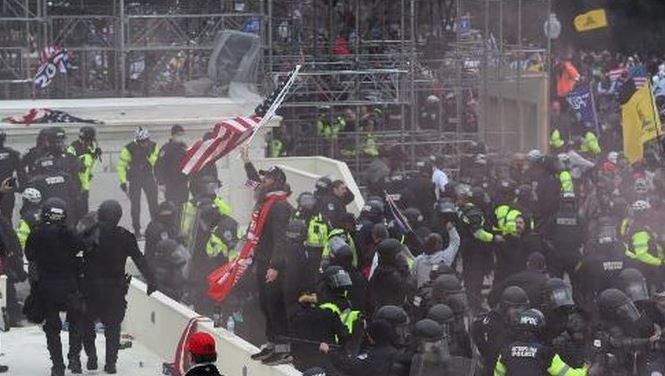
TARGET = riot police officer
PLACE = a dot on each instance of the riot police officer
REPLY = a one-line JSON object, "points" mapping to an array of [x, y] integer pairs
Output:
{"points": [[433, 356], [30, 212], [52, 248], [53, 181], [87, 150], [342, 255], [135, 167], [491, 332], [455, 335], [10, 167], [204, 189], [529, 353], [168, 262], [105, 279], [317, 230], [164, 226], [565, 234]]}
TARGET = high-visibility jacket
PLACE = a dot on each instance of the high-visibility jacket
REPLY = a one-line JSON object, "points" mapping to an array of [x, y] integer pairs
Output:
{"points": [[136, 161], [189, 213], [473, 221], [317, 231], [642, 248], [216, 245], [554, 366], [348, 317], [556, 141], [506, 219], [347, 239], [276, 148], [87, 156], [566, 181], [590, 144]]}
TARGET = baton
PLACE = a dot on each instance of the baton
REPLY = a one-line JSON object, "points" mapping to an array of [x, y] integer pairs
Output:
{"points": [[306, 341]]}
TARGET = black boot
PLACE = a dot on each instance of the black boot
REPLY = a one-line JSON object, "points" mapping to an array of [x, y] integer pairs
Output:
{"points": [[92, 364], [110, 368], [55, 350], [75, 365]]}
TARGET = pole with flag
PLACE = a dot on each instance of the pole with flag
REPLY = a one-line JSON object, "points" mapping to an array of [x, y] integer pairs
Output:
{"points": [[228, 135]]}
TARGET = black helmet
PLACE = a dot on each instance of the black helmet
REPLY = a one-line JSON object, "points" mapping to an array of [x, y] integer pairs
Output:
{"points": [[557, 294], [227, 230], [55, 138], [296, 231], [323, 185], [614, 304], [341, 255], [447, 283], [337, 278], [445, 206], [414, 216], [374, 208], [54, 210], [307, 201], [514, 301], [209, 216], [441, 313], [395, 315], [633, 284], [531, 320], [440, 269], [87, 133], [428, 330], [109, 211], [166, 211], [388, 249]]}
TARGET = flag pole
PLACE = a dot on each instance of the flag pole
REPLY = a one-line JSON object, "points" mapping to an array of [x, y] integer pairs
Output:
{"points": [[278, 102], [595, 113]]}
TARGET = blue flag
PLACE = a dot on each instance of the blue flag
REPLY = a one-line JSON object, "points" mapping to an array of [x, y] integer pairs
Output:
{"points": [[581, 100]]}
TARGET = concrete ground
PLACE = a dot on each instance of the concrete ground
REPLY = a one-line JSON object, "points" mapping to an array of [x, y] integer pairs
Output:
{"points": [[24, 351]]}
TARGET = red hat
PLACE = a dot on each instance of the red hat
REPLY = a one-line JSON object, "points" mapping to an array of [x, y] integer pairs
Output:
{"points": [[201, 343]]}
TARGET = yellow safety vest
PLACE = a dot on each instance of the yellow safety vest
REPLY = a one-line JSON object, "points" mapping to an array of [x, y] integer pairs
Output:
{"points": [[189, 214], [348, 317], [348, 239], [640, 249]]}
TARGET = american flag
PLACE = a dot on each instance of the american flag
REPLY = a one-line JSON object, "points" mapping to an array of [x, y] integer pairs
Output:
{"points": [[229, 134], [226, 136], [45, 115], [639, 75], [616, 73]]}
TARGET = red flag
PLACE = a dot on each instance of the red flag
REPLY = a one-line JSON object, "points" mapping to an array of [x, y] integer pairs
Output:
{"points": [[222, 280], [226, 136]]}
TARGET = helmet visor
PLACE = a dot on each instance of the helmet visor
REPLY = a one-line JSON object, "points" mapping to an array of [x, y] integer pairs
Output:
{"points": [[628, 312]]}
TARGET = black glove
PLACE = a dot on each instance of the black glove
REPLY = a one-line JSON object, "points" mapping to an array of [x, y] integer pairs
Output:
{"points": [[152, 287], [123, 186]]}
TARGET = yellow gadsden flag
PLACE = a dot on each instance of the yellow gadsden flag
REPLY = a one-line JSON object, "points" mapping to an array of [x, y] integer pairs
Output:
{"points": [[641, 123], [591, 20]]}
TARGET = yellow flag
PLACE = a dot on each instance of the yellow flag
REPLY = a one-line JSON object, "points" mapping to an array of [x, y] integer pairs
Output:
{"points": [[591, 20], [641, 123]]}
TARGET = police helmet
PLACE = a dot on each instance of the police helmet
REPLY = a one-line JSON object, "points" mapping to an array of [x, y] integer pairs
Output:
{"points": [[141, 134], [557, 294], [296, 231], [634, 285], [441, 313], [109, 211], [531, 320], [640, 206], [388, 249], [337, 278], [374, 207], [87, 133], [428, 330], [615, 304], [54, 210], [393, 314], [227, 230], [440, 269], [341, 255], [514, 296], [414, 216], [307, 201], [209, 216], [32, 195], [323, 184], [55, 137], [447, 283], [445, 206]]}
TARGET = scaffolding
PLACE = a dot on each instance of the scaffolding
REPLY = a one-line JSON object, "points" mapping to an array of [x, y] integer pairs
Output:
{"points": [[406, 72]]}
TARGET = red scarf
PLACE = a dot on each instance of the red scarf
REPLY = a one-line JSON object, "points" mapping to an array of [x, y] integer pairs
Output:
{"points": [[222, 280]]}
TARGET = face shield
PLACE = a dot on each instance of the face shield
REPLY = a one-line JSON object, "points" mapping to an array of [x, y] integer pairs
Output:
{"points": [[560, 297], [628, 312], [340, 280], [637, 291]]}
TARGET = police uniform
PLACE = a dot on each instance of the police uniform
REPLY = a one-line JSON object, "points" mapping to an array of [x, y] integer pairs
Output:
{"points": [[529, 358], [317, 238], [53, 181], [135, 167], [87, 155]]}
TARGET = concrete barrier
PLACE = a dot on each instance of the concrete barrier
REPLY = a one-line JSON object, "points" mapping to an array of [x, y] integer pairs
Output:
{"points": [[157, 322]]}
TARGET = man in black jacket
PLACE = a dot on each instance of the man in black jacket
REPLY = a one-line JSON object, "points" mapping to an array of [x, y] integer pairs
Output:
{"points": [[167, 169], [52, 248], [269, 259], [532, 281], [10, 165], [107, 248], [333, 205]]}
